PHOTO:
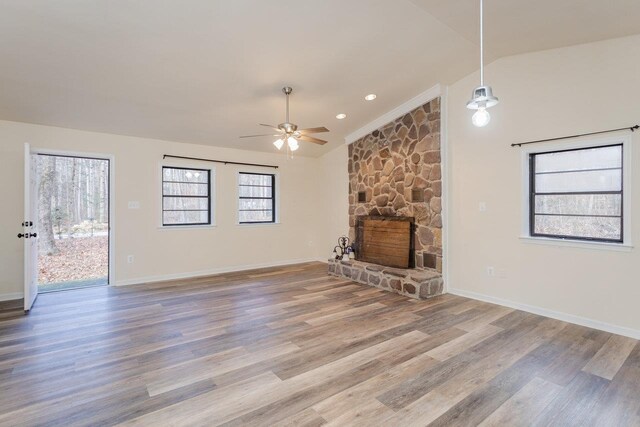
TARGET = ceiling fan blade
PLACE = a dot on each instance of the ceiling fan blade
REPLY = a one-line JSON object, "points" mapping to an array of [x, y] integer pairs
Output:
{"points": [[277, 129], [312, 139], [314, 130], [264, 134]]}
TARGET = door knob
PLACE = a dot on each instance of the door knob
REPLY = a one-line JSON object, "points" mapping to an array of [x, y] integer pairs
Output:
{"points": [[27, 235]]}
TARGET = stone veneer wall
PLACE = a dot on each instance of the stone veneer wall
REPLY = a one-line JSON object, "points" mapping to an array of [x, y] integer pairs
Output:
{"points": [[398, 171]]}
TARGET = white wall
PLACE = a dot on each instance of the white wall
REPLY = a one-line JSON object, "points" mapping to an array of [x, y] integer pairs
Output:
{"points": [[543, 95], [334, 197], [165, 252]]}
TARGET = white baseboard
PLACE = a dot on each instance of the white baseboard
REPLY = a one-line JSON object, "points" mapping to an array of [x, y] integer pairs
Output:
{"points": [[210, 272], [570, 318], [11, 296]]}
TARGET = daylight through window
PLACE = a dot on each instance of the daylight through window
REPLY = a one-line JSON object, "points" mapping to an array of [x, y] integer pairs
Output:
{"points": [[186, 196], [257, 193], [577, 194]]}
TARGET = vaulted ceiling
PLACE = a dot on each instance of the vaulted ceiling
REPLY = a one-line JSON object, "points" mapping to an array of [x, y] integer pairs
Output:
{"points": [[207, 71]]}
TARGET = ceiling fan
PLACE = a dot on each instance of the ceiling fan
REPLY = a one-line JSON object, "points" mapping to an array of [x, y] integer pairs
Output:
{"points": [[289, 132]]}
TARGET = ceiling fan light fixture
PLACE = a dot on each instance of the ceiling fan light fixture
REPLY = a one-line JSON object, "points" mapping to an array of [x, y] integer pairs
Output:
{"points": [[288, 132], [293, 143]]}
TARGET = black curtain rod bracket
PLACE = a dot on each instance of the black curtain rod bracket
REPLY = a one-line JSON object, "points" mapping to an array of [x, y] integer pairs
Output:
{"points": [[632, 129], [225, 162]]}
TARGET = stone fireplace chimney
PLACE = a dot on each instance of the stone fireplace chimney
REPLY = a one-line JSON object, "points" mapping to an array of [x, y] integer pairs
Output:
{"points": [[395, 171]]}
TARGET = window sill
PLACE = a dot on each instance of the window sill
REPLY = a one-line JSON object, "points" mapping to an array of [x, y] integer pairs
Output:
{"points": [[257, 224], [185, 227], [602, 246]]}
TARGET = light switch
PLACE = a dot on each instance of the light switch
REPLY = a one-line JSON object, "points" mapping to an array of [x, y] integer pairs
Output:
{"points": [[482, 207]]}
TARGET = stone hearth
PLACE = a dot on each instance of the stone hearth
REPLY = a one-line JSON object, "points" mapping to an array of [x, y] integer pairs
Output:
{"points": [[419, 284]]}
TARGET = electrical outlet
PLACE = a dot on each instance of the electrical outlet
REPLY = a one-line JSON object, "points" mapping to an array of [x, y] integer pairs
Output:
{"points": [[134, 205], [491, 272], [130, 259]]}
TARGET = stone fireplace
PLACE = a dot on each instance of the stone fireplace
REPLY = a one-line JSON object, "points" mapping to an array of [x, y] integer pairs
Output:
{"points": [[395, 172]]}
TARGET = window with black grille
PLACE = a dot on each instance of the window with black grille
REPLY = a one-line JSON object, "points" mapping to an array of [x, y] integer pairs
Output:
{"points": [[186, 196], [577, 194], [257, 193]]}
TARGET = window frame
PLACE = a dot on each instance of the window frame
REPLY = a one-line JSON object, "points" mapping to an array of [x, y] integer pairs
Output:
{"points": [[527, 235], [209, 197], [273, 198], [533, 194]]}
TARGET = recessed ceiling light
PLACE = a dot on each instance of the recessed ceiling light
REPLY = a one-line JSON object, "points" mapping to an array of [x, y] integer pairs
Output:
{"points": [[370, 97], [341, 116]]}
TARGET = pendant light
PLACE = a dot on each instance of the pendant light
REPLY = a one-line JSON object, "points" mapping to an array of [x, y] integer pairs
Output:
{"points": [[482, 97]]}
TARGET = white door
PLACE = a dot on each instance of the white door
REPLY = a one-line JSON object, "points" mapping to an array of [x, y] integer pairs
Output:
{"points": [[30, 228]]}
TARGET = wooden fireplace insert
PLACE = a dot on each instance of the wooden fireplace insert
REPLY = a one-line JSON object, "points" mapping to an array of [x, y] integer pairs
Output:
{"points": [[386, 240]]}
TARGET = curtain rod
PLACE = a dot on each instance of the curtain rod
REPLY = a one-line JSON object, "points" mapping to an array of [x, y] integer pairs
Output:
{"points": [[632, 129], [219, 161]]}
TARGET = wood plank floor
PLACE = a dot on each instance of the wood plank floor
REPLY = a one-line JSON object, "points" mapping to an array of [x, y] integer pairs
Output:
{"points": [[291, 346]]}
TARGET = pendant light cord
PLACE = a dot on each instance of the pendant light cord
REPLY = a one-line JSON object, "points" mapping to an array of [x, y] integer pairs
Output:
{"points": [[481, 44]]}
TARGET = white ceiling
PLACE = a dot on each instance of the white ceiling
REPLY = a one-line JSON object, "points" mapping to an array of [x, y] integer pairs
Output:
{"points": [[519, 26], [206, 71]]}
